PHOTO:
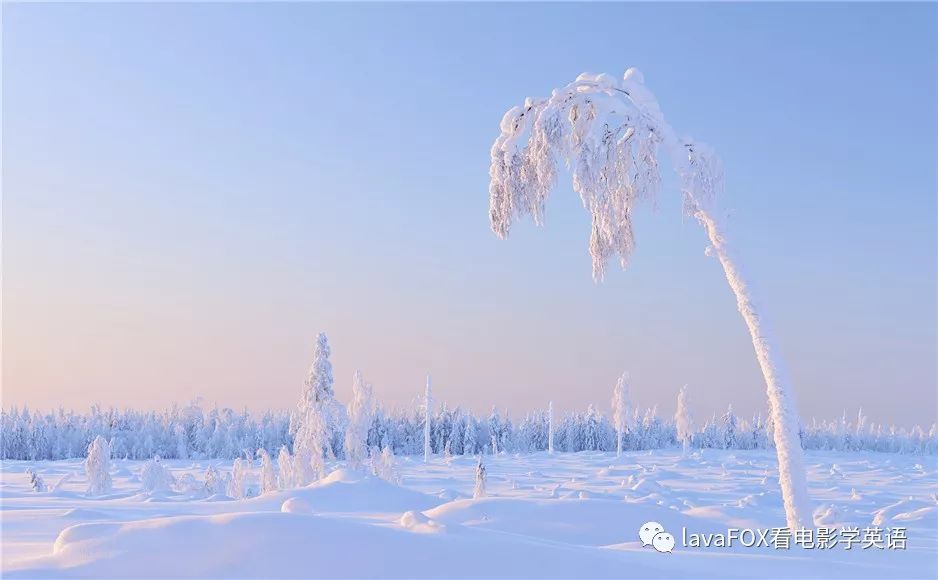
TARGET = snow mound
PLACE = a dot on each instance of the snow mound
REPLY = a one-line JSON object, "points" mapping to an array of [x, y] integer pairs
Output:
{"points": [[450, 495], [84, 514], [348, 491], [648, 485], [267, 545], [827, 516], [593, 522], [904, 511], [418, 522], [296, 505]]}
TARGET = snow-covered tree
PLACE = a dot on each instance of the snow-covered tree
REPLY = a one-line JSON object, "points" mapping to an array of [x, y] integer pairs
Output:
{"points": [[427, 410], [237, 487], [98, 466], [550, 427], [285, 469], [479, 491], [319, 394], [35, 481], [728, 427], [684, 419], [621, 409], [154, 476], [469, 437], [382, 464], [314, 418], [268, 475], [212, 481], [361, 415], [319, 382], [608, 132], [308, 444]]}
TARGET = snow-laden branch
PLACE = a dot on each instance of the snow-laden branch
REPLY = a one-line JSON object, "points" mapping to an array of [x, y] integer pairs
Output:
{"points": [[608, 133]]}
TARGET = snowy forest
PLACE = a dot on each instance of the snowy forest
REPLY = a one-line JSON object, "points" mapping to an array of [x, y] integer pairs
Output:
{"points": [[192, 433]]}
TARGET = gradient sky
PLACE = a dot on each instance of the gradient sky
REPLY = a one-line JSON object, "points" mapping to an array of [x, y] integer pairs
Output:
{"points": [[192, 192]]}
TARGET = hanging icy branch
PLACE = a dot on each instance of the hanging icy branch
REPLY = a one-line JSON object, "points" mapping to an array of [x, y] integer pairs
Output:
{"points": [[608, 133]]}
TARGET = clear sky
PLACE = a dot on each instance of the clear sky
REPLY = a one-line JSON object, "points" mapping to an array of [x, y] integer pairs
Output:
{"points": [[192, 192]]}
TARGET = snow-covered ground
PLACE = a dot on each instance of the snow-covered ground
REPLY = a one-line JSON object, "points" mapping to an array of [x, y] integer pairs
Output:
{"points": [[566, 515]]}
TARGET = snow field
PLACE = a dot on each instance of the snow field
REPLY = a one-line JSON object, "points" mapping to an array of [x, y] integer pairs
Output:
{"points": [[558, 516]]}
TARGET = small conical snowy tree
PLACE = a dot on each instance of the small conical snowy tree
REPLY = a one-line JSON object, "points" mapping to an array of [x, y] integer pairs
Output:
{"points": [[479, 491], [469, 436], [285, 469], [684, 419], [427, 409], [382, 464], [319, 381], [310, 424], [319, 392], [550, 427], [361, 415], [728, 428], [621, 409], [237, 486], [268, 475], [212, 481], [35, 481], [155, 476], [98, 466]]}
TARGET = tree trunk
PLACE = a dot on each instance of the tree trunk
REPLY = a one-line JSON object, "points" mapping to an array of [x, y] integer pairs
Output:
{"points": [[791, 472]]}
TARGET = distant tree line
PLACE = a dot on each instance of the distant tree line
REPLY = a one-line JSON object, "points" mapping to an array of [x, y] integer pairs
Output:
{"points": [[321, 427], [191, 432]]}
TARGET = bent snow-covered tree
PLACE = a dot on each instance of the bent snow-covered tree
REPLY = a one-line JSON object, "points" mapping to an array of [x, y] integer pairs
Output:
{"points": [[609, 133]]}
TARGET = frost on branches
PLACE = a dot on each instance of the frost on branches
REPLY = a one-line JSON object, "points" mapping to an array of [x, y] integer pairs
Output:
{"points": [[609, 132], [98, 467]]}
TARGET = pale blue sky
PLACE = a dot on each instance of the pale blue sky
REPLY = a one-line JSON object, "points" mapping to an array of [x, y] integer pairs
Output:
{"points": [[192, 192]]}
